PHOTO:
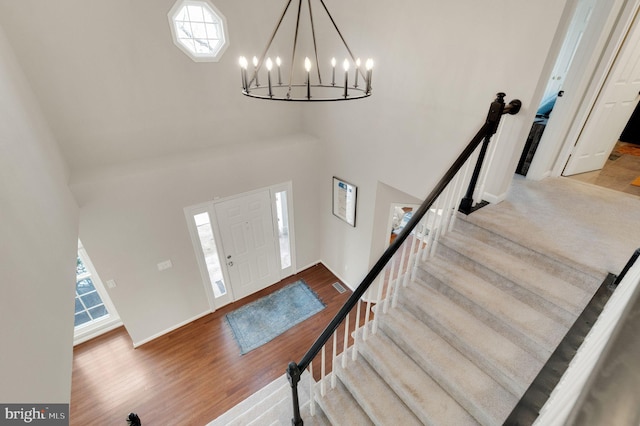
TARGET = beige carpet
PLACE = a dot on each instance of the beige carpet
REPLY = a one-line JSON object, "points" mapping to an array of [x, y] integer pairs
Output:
{"points": [[583, 223]]}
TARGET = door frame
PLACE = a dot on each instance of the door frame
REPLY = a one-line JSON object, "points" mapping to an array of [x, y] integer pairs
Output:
{"points": [[572, 111], [209, 207]]}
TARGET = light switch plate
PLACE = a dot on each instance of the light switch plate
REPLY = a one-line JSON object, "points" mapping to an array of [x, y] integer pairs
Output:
{"points": [[111, 283]]}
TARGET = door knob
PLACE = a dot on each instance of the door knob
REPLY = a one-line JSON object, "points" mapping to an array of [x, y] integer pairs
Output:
{"points": [[230, 263]]}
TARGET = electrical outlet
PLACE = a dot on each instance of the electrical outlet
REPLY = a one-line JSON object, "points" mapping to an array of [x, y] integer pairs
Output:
{"points": [[111, 284], [164, 265]]}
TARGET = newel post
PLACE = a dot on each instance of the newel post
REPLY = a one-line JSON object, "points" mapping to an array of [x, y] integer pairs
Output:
{"points": [[496, 110], [293, 374]]}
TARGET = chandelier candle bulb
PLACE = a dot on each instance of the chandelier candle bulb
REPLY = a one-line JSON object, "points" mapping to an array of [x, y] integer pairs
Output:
{"points": [[243, 73], [369, 67], [255, 68], [357, 71], [345, 65], [333, 71], [278, 63], [307, 66], [269, 66]]}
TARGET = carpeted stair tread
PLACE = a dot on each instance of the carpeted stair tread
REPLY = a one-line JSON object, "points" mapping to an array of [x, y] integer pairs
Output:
{"points": [[580, 275], [525, 295], [509, 364], [519, 271], [484, 398], [376, 398], [504, 228], [526, 326], [339, 406], [428, 401]]}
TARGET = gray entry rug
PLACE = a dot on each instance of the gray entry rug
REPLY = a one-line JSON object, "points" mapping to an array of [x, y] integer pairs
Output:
{"points": [[261, 321]]}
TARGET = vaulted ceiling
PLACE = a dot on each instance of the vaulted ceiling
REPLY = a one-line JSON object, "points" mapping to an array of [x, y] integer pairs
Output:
{"points": [[115, 89]]}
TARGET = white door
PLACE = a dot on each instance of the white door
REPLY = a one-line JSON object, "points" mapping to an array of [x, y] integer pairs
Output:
{"points": [[611, 111], [570, 45], [248, 242]]}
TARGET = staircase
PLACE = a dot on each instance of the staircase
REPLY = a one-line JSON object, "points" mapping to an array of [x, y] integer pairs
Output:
{"points": [[468, 336]]}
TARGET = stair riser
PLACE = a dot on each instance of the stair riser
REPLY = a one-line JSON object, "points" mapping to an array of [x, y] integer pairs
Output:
{"points": [[377, 399], [338, 405], [529, 296], [431, 404], [541, 350], [474, 354], [489, 412], [564, 269]]}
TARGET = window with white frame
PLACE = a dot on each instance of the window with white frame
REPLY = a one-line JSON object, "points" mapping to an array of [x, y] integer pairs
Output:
{"points": [[199, 30], [94, 312]]}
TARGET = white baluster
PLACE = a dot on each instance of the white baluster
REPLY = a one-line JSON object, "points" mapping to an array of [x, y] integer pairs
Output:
{"points": [[446, 194], [378, 299], [387, 297], [401, 273], [355, 333], [413, 256], [432, 228], [451, 207], [365, 330], [312, 389], [346, 342], [333, 360], [322, 373]]}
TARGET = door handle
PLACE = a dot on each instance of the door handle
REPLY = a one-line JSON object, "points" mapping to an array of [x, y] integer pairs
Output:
{"points": [[230, 263]]}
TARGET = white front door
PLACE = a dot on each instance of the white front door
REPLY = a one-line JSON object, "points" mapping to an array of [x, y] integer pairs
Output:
{"points": [[611, 111], [248, 242]]}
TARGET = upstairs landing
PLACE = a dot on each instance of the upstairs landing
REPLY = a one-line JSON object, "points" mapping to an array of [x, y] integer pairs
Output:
{"points": [[591, 226]]}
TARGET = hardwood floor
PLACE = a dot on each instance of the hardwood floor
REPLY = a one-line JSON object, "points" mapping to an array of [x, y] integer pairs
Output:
{"points": [[191, 375]]}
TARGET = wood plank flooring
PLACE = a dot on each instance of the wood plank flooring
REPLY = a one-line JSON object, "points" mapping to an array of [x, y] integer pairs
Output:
{"points": [[191, 375]]}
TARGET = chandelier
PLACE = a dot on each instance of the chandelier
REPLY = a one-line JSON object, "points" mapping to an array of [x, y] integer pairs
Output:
{"points": [[300, 77]]}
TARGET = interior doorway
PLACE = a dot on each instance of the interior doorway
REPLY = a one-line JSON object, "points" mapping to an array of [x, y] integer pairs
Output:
{"points": [[571, 44], [611, 110]]}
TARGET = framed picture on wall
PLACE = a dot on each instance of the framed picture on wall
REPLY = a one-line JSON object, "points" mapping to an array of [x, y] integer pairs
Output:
{"points": [[344, 200]]}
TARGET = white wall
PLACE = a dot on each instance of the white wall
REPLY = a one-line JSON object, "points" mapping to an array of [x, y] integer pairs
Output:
{"points": [[436, 72], [38, 245], [132, 218]]}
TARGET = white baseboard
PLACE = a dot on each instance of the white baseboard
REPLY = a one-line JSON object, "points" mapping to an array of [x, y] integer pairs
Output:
{"points": [[183, 323], [494, 199], [339, 277], [331, 270], [108, 326], [310, 265], [170, 329]]}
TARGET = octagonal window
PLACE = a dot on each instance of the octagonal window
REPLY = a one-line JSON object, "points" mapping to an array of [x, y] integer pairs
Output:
{"points": [[199, 30]]}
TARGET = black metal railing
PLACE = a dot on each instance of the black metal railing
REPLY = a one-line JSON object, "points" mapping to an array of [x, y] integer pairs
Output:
{"points": [[488, 129]]}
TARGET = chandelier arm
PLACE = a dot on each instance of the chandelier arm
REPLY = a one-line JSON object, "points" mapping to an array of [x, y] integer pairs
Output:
{"points": [[353, 58], [295, 43], [315, 46], [266, 49]]}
